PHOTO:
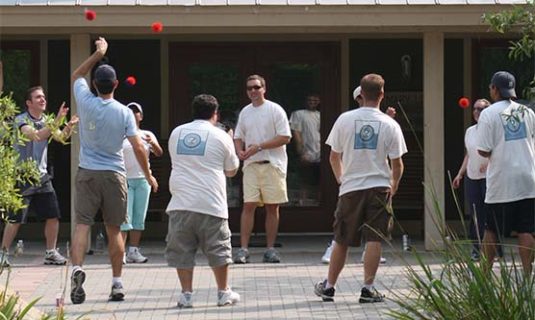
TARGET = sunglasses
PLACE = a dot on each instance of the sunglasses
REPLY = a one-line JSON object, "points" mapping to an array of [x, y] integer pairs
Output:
{"points": [[254, 88]]}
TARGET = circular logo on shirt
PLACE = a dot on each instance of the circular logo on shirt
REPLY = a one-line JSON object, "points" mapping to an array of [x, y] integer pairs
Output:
{"points": [[191, 140], [512, 124], [366, 132]]}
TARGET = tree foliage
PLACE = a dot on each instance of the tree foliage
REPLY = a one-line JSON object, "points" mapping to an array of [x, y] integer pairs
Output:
{"points": [[13, 171], [519, 20]]}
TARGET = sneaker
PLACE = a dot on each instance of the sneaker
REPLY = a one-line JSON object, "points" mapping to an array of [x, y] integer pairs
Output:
{"points": [[117, 292], [382, 260], [242, 256], [325, 294], [227, 297], [4, 261], [55, 258], [77, 291], [370, 296], [271, 256], [124, 258], [326, 259], [134, 256], [185, 300]]}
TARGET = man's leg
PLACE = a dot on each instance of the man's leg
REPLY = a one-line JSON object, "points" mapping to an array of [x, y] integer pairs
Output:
{"points": [[371, 261], [489, 247], [115, 249], [526, 247], [272, 224], [221, 277], [186, 279], [79, 244], [51, 233], [338, 260], [246, 223], [10, 232]]}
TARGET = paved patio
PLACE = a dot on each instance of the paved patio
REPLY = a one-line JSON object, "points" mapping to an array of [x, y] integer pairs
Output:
{"points": [[268, 291]]}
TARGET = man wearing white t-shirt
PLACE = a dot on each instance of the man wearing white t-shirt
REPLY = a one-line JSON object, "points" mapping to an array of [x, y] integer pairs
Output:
{"points": [[201, 156], [506, 132], [362, 141], [261, 136]]}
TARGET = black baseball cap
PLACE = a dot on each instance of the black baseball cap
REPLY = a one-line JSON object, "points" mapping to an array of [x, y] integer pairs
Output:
{"points": [[505, 83], [105, 73]]}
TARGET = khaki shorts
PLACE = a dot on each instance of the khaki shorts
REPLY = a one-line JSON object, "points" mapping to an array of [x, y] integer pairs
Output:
{"points": [[189, 231], [264, 183], [362, 214], [100, 190]]}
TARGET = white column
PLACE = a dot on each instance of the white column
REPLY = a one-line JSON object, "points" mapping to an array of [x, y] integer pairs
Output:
{"points": [[80, 50], [433, 139]]}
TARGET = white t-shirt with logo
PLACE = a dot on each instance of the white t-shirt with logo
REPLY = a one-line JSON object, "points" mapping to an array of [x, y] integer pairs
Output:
{"points": [[200, 152], [260, 124], [475, 161], [307, 122], [133, 169], [506, 129], [366, 137]]}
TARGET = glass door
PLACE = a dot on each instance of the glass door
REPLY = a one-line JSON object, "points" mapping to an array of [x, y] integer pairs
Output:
{"points": [[292, 72]]}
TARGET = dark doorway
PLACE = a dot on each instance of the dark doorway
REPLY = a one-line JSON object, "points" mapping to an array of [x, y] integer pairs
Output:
{"points": [[291, 70]]}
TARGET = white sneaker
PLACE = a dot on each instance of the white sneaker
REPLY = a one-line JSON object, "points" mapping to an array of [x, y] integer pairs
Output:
{"points": [[185, 300], [4, 261], [134, 256], [326, 259], [382, 260], [55, 258], [228, 297]]}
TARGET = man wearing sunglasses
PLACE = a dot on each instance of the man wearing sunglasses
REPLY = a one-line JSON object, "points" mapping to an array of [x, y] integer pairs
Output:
{"points": [[262, 133]]}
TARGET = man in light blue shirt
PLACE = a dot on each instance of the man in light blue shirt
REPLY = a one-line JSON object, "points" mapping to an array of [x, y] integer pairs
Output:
{"points": [[101, 178]]}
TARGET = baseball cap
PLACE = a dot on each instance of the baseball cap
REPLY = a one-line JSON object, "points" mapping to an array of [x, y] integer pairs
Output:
{"points": [[505, 82], [135, 107], [356, 92], [105, 73]]}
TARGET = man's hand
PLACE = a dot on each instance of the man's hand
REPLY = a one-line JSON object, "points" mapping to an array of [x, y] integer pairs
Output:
{"points": [[391, 111], [74, 120], [101, 46], [62, 112]]}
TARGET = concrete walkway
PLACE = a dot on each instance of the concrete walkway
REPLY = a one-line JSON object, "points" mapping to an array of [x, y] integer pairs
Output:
{"points": [[268, 291]]}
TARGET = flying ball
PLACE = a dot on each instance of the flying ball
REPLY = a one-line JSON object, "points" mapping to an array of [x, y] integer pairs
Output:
{"points": [[464, 102], [130, 81], [90, 14], [157, 27]]}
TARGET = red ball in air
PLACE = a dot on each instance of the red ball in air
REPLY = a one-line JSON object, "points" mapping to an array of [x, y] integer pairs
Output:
{"points": [[157, 27], [90, 14], [464, 102], [130, 81]]}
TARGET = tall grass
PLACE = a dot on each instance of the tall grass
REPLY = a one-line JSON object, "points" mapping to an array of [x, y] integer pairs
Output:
{"points": [[463, 288]]}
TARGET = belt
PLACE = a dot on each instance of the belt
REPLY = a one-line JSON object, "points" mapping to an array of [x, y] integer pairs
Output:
{"points": [[262, 162]]}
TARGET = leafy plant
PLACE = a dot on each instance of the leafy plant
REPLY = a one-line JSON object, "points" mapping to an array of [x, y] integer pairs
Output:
{"points": [[13, 171], [521, 20]]}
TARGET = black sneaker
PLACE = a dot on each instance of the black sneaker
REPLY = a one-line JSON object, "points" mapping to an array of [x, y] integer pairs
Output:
{"points": [[117, 292], [370, 296], [325, 294], [77, 291]]}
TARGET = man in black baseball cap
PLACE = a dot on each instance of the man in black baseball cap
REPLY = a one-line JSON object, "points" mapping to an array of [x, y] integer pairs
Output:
{"points": [[505, 84], [504, 136]]}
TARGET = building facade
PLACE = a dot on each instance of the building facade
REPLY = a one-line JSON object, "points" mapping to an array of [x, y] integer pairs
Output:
{"points": [[430, 53]]}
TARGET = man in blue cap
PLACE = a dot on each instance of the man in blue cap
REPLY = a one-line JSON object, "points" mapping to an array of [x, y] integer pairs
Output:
{"points": [[101, 178]]}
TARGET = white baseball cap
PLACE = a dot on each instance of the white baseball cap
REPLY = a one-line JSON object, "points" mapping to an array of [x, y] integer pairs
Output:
{"points": [[356, 92]]}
